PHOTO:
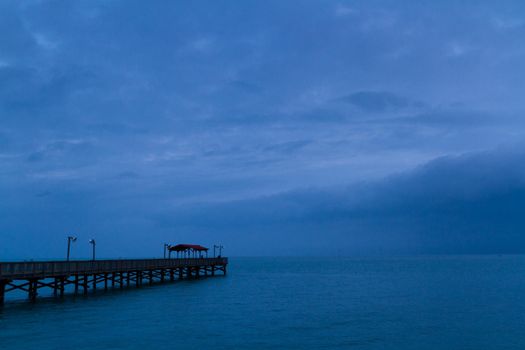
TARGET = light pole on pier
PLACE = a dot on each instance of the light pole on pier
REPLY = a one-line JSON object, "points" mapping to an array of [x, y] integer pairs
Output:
{"points": [[166, 248], [69, 240], [218, 247], [94, 244]]}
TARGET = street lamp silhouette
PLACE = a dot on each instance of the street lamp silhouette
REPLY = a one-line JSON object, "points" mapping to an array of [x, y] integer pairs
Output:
{"points": [[69, 240], [94, 244], [166, 247], [218, 247]]}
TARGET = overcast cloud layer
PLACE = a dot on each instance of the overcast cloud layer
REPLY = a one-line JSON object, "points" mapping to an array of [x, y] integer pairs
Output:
{"points": [[273, 127]]}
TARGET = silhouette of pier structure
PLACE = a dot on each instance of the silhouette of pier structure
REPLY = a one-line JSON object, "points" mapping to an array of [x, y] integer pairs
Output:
{"points": [[86, 276]]}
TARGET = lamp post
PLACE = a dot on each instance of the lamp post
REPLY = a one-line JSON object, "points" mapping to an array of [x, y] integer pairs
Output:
{"points": [[94, 244], [69, 240], [218, 247], [166, 247]]}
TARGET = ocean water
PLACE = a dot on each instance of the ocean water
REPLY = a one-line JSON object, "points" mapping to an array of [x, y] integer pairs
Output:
{"points": [[473, 302]]}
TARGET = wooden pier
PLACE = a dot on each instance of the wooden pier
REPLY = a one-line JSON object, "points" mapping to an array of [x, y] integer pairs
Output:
{"points": [[84, 275]]}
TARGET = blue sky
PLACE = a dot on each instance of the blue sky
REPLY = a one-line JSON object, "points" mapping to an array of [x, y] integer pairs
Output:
{"points": [[272, 127]]}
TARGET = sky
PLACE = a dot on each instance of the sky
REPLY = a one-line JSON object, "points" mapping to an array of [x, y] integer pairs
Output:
{"points": [[270, 127]]}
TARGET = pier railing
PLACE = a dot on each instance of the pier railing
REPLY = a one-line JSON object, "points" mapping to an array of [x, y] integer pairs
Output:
{"points": [[49, 269]]}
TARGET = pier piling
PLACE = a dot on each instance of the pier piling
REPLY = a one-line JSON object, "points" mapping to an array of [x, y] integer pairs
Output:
{"points": [[3, 283]]}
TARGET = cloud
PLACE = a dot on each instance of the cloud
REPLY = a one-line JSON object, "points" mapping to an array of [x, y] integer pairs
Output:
{"points": [[246, 86], [45, 42], [456, 49], [60, 148], [508, 23], [464, 204], [207, 102], [287, 147], [377, 101], [343, 11], [203, 44]]}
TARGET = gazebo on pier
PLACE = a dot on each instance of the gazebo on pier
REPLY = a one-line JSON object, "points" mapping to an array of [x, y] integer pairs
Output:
{"points": [[189, 251]]}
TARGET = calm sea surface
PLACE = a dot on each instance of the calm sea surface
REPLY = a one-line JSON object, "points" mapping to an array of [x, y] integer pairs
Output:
{"points": [[294, 303]]}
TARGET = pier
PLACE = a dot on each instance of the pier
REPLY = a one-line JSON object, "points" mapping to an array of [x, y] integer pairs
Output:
{"points": [[83, 276]]}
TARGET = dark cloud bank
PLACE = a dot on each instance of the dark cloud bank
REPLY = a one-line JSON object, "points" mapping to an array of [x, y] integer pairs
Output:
{"points": [[465, 204]]}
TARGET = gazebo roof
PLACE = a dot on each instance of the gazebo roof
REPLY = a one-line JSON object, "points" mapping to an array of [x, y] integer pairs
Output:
{"points": [[183, 247]]}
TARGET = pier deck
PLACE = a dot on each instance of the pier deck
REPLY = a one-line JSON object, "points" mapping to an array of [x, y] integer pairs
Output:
{"points": [[85, 275]]}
